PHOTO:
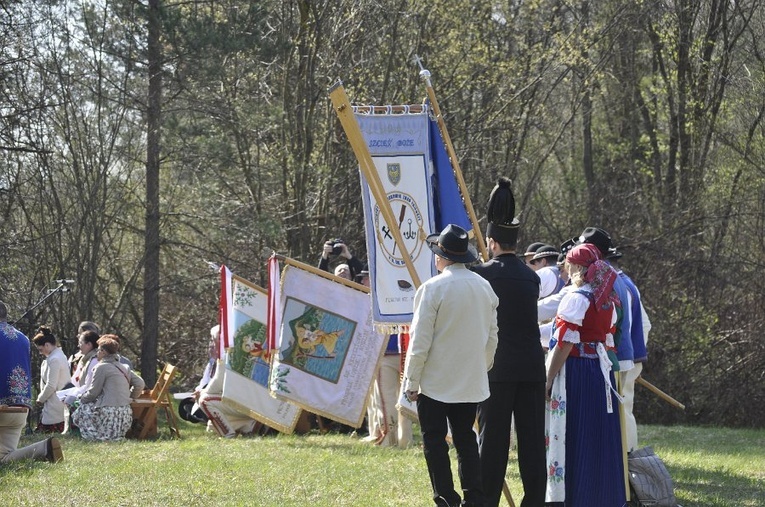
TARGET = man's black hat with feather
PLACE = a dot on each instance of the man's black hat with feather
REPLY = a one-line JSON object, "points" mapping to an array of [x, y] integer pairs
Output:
{"points": [[503, 225]]}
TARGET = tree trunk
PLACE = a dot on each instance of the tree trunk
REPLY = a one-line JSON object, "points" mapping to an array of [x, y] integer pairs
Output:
{"points": [[151, 267]]}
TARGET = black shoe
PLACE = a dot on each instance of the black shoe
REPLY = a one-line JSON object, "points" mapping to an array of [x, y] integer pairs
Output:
{"points": [[54, 451]]}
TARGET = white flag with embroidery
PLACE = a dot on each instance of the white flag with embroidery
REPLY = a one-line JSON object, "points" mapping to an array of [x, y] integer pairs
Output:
{"points": [[245, 386], [328, 350]]}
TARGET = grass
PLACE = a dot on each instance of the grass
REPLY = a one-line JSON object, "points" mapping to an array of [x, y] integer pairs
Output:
{"points": [[711, 467]]}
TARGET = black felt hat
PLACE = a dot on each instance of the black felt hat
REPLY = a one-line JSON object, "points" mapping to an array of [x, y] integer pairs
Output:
{"points": [[565, 247], [614, 254], [597, 237], [545, 251], [532, 249], [453, 243]]}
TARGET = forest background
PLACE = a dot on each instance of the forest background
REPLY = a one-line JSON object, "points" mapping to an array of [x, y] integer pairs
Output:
{"points": [[141, 140]]}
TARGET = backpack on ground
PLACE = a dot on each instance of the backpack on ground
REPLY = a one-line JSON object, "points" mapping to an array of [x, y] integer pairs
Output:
{"points": [[651, 484]]}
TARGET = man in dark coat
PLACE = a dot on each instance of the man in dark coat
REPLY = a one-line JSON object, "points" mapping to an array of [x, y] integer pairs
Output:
{"points": [[517, 379]]}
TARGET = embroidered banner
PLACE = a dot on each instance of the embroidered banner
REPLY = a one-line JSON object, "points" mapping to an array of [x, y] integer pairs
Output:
{"points": [[399, 146], [245, 386], [327, 349], [415, 172]]}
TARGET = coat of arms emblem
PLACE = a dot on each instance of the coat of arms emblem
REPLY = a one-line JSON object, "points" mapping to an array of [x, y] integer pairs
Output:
{"points": [[394, 173]]}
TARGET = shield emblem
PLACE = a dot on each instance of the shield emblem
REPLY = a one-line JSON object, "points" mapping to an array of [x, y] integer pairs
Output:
{"points": [[394, 173]]}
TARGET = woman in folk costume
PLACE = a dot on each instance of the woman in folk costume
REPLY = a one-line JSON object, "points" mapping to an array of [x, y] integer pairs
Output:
{"points": [[54, 375], [83, 371], [105, 414], [584, 456]]}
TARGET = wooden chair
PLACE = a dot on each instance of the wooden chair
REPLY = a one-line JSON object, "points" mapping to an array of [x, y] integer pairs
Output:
{"points": [[145, 409]]}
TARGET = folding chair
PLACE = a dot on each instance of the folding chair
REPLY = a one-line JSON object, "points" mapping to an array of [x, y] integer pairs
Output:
{"points": [[145, 409]]}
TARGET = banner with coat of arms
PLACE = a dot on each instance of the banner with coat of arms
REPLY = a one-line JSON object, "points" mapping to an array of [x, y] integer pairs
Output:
{"points": [[327, 350], [399, 146], [423, 194], [245, 386]]}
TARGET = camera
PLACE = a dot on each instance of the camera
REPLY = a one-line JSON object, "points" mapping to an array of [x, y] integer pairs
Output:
{"points": [[336, 250]]}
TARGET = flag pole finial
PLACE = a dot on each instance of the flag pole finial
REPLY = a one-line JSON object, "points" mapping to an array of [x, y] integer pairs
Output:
{"points": [[424, 73]]}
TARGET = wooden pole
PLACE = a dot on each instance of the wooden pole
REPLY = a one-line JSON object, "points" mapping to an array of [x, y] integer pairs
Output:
{"points": [[321, 272], [508, 495], [623, 432], [425, 75], [661, 394], [345, 112]]}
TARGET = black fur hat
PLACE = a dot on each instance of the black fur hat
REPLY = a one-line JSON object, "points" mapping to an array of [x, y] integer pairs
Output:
{"points": [[502, 223]]}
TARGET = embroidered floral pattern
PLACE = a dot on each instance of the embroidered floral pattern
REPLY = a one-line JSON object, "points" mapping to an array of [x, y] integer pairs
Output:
{"points": [[244, 296], [555, 439], [18, 381], [18, 388], [8, 331], [279, 379], [555, 472], [557, 406]]}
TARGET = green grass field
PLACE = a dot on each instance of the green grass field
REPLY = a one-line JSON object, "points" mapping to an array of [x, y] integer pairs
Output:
{"points": [[710, 467]]}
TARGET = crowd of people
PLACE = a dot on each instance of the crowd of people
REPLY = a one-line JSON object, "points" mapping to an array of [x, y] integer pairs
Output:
{"points": [[559, 342], [550, 355], [88, 394], [555, 341]]}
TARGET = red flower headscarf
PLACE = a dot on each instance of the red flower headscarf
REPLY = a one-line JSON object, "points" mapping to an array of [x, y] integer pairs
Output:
{"points": [[600, 275]]}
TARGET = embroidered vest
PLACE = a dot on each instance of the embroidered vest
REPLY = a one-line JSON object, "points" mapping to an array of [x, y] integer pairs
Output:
{"points": [[595, 325]]}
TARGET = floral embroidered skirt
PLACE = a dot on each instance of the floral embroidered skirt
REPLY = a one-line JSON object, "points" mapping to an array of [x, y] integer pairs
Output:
{"points": [[590, 470], [104, 424]]}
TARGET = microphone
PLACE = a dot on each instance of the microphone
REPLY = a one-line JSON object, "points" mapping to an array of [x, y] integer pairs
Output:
{"points": [[65, 281]]}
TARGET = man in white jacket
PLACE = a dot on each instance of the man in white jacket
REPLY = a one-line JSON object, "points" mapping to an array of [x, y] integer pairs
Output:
{"points": [[453, 340]]}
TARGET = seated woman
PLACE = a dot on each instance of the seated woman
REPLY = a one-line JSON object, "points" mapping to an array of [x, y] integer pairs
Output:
{"points": [[104, 413], [82, 375]]}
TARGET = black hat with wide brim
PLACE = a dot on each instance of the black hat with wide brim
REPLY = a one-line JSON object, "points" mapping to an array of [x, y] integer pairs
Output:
{"points": [[597, 237], [614, 254], [453, 243], [187, 412]]}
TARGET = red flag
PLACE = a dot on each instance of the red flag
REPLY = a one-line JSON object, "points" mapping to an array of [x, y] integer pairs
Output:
{"points": [[273, 323], [226, 312]]}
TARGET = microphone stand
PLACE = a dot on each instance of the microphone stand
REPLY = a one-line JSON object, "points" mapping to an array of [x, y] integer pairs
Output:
{"points": [[63, 286]]}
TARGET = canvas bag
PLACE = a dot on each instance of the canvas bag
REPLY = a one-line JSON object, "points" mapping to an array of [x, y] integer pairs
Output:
{"points": [[650, 480]]}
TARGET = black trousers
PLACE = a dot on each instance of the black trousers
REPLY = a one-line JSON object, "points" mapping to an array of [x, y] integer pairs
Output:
{"points": [[525, 400], [433, 417]]}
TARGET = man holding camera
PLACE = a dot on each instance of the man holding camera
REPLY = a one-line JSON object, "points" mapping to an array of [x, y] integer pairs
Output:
{"points": [[338, 248]]}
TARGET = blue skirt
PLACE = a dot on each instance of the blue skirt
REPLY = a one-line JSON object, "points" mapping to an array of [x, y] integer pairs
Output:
{"points": [[594, 467]]}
